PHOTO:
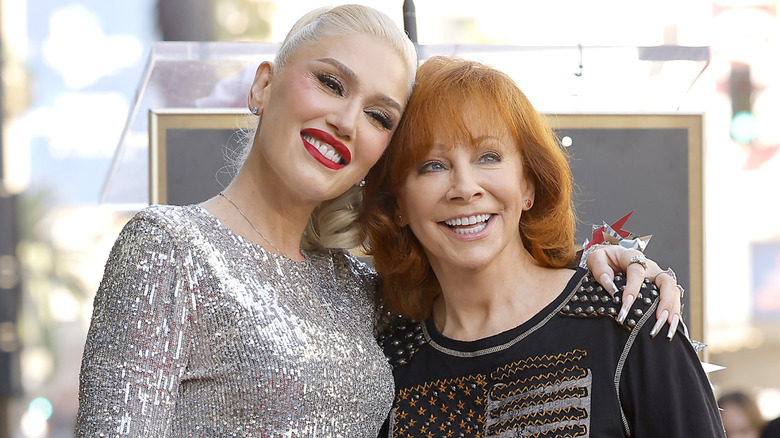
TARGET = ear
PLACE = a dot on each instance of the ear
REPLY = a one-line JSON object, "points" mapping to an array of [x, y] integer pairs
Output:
{"points": [[400, 218], [260, 91], [530, 190]]}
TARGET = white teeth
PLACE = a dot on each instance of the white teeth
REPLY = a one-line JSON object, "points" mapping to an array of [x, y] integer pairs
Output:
{"points": [[325, 149], [478, 220], [471, 220], [471, 230]]}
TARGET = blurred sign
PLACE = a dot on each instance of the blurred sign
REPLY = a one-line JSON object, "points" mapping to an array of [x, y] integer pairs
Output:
{"points": [[766, 280]]}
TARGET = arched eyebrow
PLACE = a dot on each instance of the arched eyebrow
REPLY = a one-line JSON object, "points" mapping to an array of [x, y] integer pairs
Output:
{"points": [[481, 138], [349, 74]]}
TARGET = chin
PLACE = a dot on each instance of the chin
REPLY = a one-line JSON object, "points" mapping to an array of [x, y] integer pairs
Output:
{"points": [[322, 190], [469, 261]]}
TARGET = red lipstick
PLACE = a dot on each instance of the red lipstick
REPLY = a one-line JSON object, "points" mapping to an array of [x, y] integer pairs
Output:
{"points": [[330, 141]]}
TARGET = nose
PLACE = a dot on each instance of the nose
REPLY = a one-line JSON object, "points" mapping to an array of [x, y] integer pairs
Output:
{"points": [[344, 118], [464, 186]]}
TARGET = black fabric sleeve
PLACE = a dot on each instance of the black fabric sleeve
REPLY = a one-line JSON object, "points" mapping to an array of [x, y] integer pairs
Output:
{"points": [[665, 391], [772, 429], [384, 432]]}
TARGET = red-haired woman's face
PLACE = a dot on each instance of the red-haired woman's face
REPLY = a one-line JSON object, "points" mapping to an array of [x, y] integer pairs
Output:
{"points": [[463, 202]]}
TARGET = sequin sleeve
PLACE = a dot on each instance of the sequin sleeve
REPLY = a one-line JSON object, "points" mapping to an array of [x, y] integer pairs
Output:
{"points": [[137, 345], [355, 272]]}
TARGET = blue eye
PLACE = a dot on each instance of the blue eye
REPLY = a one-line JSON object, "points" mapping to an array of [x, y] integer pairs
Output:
{"points": [[431, 166], [490, 157]]}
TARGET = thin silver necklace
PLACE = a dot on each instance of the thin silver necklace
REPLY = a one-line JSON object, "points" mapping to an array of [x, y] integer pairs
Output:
{"points": [[278, 251]]}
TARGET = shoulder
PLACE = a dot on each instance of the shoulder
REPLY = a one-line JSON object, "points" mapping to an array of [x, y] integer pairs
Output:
{"points": [[171, 218], [156, 229], [400, 338], [150, 254], [345, 260], [349, 266], [166, 222], [590, 300]]}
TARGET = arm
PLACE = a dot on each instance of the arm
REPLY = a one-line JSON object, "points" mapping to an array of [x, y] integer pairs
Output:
{"points": [[604, 261], [664, 390], [137, 345]]}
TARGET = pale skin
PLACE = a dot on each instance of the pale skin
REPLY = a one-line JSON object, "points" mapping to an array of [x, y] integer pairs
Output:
{"points": [[349, 90], [353, 89], [668, 308]]}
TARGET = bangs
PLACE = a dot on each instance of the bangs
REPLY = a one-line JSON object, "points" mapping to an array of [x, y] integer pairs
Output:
{"points": [[472, 101]]}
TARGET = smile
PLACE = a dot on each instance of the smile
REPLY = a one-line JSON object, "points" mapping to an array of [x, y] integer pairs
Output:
{"points": [[469, 224], [326, 149]]}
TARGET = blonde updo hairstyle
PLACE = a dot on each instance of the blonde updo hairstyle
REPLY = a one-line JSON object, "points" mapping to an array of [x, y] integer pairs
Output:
{"points": [[334, 223]]}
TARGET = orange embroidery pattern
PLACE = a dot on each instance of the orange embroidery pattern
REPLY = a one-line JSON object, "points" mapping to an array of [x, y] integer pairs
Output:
{"points": [[537, 397], [543, 361]]}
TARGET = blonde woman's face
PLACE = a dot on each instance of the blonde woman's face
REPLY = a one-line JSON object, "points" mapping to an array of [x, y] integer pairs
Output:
{"points": [[328, 116]]}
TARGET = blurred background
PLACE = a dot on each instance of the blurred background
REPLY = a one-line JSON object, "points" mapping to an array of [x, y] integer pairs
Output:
{"points": [[71, 69]]}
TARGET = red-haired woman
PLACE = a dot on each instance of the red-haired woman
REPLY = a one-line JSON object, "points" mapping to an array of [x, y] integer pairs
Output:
{"points": [[469, 219]]}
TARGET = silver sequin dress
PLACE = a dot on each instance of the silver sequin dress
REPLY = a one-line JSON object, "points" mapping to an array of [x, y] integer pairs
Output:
{"points": [[198, 332]]}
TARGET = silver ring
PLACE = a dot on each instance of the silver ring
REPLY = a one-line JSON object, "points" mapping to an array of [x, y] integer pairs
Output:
{"points": [[669, 272], [682, 291], [640, 259]]}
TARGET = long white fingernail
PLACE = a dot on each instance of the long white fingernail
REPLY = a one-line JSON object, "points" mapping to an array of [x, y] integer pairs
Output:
{"points": [[627, 301], [660, 323], [605, 279], [673, 326]]}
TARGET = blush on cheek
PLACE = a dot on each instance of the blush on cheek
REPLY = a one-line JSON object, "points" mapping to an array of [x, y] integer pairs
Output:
{"points": [[373, 148]]}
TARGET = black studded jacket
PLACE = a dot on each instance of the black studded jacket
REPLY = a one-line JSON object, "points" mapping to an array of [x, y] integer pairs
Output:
{"points": [[570, 371]]}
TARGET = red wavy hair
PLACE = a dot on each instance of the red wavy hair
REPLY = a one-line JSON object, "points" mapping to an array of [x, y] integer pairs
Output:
{"points": [[446, 89]]}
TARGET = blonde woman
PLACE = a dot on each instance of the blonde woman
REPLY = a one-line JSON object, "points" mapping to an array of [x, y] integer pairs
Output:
{"points": [[234, 317]]}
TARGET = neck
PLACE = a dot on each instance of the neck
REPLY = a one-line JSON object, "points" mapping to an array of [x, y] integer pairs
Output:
{"points": [[279, 217], [494, 298]]}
